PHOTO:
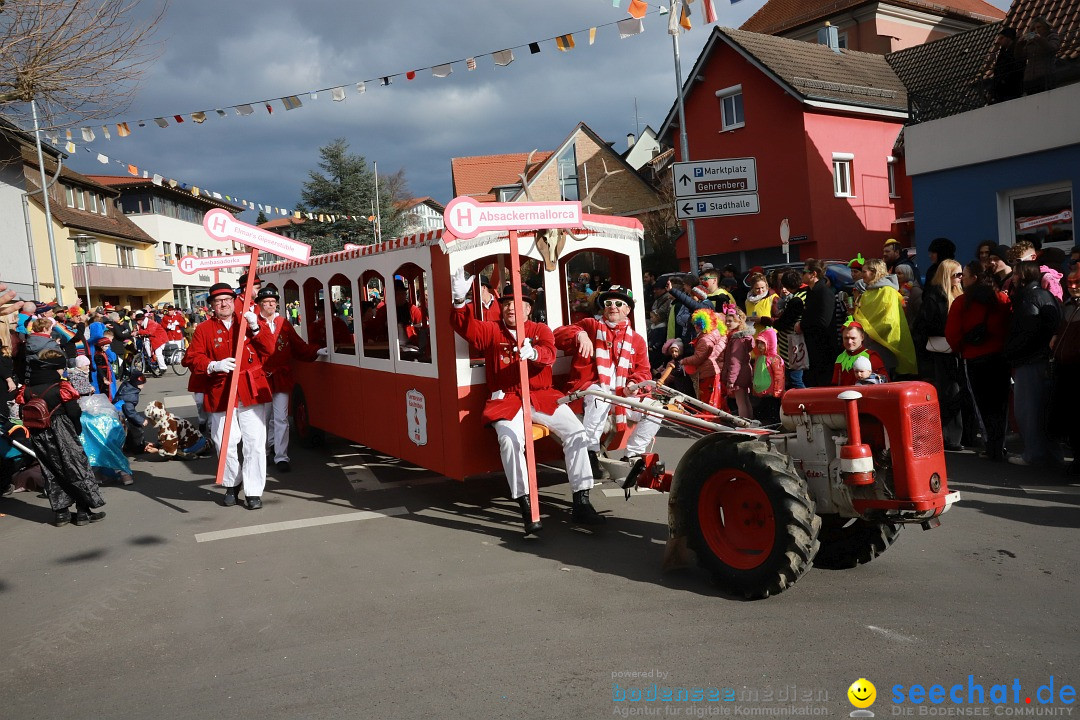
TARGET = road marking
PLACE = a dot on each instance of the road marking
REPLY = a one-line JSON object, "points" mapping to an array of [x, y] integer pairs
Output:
{"points": [[297, 524], [892, 634], [619, 492], [1051, 489]]}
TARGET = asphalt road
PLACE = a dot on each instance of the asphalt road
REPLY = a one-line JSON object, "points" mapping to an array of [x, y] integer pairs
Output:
{"points": [[422, 599]]}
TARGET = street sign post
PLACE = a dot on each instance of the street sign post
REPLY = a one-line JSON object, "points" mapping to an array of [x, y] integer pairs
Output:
{"points": [[221, 225], [466, 218], [705, 206], [190, 264], [707, 177]]}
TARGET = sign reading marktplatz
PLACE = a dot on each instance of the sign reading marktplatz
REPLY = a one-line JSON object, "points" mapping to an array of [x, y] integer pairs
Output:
{"points": [[714, 188]]}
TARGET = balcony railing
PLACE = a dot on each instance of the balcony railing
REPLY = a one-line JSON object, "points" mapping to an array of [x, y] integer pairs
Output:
{"points": [[952, 99], [112, 275]]}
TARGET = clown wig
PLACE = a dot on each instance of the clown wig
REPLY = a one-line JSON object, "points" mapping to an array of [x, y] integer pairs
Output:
{"points": [[705, 321]]}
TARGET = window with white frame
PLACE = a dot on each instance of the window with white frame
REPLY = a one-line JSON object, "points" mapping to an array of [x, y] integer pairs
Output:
{"points": [[841, 165], [104, 203], [80, 200], [731, 108], [1040, 213], [125, 256], [891, 169], [69, 193], [568, 177]]}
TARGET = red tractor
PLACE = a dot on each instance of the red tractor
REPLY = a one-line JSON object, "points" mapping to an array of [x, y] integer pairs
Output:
{"points": [[832, 486]]}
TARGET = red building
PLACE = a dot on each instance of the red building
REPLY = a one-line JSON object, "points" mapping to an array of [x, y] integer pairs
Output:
{"points": [[822, 124]]}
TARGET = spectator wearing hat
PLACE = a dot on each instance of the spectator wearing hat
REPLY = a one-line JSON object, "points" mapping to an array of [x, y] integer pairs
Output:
{"points": [[288, 347], [241, 288], [213, 353], [503, 411], [609, 356], [489, 305], [154, 334], [174, 323], [940, 248], [128, 396], [26, 313], [854, 339], [997, 262]]}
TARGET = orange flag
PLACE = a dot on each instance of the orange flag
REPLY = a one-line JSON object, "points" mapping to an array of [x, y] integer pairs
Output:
{"points": [[638, 8]]}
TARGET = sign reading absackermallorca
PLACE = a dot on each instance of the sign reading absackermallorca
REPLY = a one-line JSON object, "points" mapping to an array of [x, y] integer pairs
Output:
{"points": [[715, 188]]}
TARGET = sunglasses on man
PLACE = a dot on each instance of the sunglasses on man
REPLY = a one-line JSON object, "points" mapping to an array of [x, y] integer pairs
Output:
{"points": [[614, 303]]}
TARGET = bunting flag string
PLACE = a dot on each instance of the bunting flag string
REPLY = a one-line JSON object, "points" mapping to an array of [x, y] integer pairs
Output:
{"points": [[565, 42]]}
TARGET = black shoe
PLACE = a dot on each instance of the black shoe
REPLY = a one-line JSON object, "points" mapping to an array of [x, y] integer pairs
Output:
{"points": [[526, 516], [63, 517], [231, 495], [599, 472], [283, 466], [254, 503], [84, 518], [584, 512], [954, 447]]}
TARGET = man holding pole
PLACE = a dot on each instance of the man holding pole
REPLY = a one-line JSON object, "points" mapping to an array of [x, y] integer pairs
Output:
{"points": [[213, 355], [498, 342]]}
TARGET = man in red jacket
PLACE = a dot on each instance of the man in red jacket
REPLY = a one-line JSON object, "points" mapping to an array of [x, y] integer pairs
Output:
{"points": [[212, 354], [174, 323], [288, 346], [145, 327], [498, 342], [609, 356]]}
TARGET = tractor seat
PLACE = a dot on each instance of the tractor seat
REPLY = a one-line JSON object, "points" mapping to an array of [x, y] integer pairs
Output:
{"points": [[540, 431]]}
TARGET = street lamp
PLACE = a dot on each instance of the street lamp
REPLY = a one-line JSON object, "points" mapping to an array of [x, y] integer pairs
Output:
{"points": [[82, 244]]}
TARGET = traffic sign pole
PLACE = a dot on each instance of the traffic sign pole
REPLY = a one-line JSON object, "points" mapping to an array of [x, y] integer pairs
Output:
{"points": [[684, 145]]}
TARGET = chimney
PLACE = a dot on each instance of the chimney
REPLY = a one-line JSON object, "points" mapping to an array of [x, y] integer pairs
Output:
{"points": [[829, 36], [630, 140]]}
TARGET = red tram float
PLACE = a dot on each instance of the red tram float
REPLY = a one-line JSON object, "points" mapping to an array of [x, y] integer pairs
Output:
{"points": [[834, 483]]}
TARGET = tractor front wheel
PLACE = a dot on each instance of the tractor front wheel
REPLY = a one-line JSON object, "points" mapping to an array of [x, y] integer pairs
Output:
{"points": [[749, 519], [849, 542]]}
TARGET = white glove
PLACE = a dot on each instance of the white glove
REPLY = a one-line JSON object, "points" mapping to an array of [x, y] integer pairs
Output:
{"points": [[528, 351], [460, 284], [224, 366], [322, 352], [252, 321]]}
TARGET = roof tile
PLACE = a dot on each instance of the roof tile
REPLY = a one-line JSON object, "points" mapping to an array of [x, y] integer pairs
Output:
{"points": [[476, 176], [778, 16]]}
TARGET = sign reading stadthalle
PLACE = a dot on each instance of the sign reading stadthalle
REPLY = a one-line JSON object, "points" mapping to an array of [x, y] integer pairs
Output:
{"points": [[705, 177], [467, 218], [704, 206]]}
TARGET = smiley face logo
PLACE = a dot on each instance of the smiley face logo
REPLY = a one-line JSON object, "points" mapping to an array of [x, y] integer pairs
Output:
{"points": [[862, 693]]}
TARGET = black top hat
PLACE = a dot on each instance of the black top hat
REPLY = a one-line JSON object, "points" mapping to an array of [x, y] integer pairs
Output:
{"points": [[267, 293]]}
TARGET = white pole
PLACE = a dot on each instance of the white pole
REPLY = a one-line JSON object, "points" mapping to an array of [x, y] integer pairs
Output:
{"points": [[684, 147], [48, 212]]}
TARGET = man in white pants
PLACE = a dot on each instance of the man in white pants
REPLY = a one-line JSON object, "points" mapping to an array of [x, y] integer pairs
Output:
{"points": [[498, 342], [288, 346], [212, 353], [609, 356]]}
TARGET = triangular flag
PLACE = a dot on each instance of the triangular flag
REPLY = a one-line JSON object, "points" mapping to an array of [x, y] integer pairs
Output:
{"points": [[269, 110], [629, 27], [132, 170], [615, 3], [70, 146], [146, 173], [161, 122], [195, 191], [470, 63], [244, 110], [296, 214], [221, 113], [291, 103], [87, 135], [178, 118], [67, 134], [313, 95], [361, 88], [684, 18], [441, 71], [663, 10], [592, 35], [217, 196], [122, 129], [105, 132], [157, 179], [503, 57], [411, 75], [199, 117], [104, 160], [534, 48], [337, 94], [710, 12], [172, 183], [638, 8], [386, 80], [565, 42]]}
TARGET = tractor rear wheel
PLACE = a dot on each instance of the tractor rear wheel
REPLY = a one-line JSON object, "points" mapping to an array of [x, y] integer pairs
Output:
{"points": [[849, 542], [749, 519]]}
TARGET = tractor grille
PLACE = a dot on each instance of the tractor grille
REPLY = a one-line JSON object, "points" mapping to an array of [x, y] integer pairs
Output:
{"points": [[925, 431]]}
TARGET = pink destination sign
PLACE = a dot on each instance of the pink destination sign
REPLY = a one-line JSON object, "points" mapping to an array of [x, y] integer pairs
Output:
{"points": [[466, 218], [221, 225], [189, 264]]}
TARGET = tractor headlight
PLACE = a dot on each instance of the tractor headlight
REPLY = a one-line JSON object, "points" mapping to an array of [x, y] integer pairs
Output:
{"points": [[935, 483]]}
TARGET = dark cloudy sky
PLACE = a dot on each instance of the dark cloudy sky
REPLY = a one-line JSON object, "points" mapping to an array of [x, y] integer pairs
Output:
{"points": [[224, 53]]}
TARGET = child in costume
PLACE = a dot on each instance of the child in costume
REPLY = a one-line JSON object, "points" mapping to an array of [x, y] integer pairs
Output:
{"points": [[768, 382], [708, 353], [738, 372]]}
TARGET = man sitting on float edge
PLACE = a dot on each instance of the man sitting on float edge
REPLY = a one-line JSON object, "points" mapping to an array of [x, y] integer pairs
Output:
{"points": [[498, 342]]}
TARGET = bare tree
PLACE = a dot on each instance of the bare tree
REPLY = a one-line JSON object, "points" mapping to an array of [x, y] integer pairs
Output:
{"points": [[79, 60]]}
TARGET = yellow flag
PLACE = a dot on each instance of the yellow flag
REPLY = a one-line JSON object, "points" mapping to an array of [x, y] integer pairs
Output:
{"points": [[592, 35], [565, 42]]}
